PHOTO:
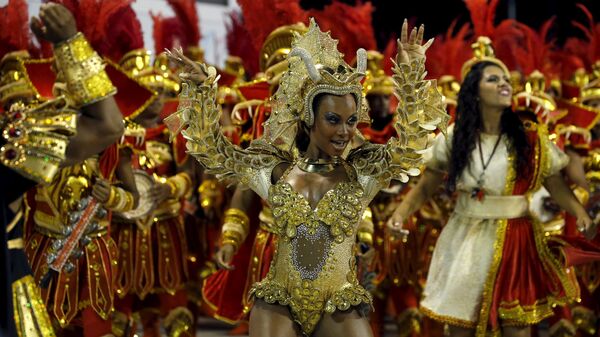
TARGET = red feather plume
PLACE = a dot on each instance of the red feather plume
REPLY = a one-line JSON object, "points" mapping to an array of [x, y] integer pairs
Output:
{"points": [[14, 28], [351, 25], [447, 55], [261, 17], [186, 13], [587, 49], [239, 43]]}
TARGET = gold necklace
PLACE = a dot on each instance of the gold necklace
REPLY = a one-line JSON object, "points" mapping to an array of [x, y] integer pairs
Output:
{"points": [[319, 165]]}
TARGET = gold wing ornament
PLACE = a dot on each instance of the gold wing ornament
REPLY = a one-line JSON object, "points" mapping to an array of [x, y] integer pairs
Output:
{"points": [[420, 111], [198, 116]]}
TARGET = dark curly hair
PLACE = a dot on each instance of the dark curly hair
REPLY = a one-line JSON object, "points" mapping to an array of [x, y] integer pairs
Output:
{"points": [[469, 123]]}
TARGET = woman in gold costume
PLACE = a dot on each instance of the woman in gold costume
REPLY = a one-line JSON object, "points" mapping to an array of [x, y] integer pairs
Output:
{"points": [[316, 172]]}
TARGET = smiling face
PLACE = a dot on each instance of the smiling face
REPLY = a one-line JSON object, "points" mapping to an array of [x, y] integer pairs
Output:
{"points": [[495, 90], [336, 118]]}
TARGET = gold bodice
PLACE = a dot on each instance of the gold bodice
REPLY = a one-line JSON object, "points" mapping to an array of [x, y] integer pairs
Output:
{"points": [[313, 270]]}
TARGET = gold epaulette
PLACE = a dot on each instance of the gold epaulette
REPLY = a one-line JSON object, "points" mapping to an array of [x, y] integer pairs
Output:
{"points": [[37, 138], [80, 67]]}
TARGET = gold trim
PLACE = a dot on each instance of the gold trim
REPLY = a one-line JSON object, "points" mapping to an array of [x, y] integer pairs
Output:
{"points": [[447, 319], [149, 101], [31, 317], [488, 289]]}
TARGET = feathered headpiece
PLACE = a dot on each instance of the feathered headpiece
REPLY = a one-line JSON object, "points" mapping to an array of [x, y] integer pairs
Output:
{"points": [[482, 51], [315, 67], [483, 14]]}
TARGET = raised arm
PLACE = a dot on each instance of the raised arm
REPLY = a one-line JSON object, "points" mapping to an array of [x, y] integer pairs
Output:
{"points": [[420, 111], [198, 120]]}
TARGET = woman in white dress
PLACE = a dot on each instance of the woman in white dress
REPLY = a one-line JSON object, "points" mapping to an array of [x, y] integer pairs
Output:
{"points": [[492, 268]]}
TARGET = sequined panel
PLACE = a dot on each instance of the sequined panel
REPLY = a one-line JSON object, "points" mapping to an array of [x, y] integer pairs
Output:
{"points": [[310, 250]]}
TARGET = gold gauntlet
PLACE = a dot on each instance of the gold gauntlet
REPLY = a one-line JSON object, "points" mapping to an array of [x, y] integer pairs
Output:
{"points": [[119, 200], [366, 228], [36, 138], [80, 67], [180, 185], [236, 226]]}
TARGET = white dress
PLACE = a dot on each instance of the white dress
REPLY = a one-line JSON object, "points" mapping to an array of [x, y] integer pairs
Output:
{"points": [[464, 251]]}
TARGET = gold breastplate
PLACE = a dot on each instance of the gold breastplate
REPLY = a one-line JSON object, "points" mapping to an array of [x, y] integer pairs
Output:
{"points": [[61, 197], [313, 270]]}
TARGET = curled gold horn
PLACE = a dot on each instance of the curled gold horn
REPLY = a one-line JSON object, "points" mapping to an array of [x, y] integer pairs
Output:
{"points": [[308, 62]]}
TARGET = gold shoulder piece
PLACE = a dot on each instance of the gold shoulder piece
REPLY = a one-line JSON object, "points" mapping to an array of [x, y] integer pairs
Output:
{"points": [[37, 138]]}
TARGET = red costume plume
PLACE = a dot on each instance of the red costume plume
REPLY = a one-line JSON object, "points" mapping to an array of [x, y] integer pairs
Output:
{"points": [[261, 17], [388, 55], [14, 29], [449, 52], [187, 15], [239, 43], [588, 49], [351, 25], [111, 26], [168, 33], [535, 51], [483, 14]]}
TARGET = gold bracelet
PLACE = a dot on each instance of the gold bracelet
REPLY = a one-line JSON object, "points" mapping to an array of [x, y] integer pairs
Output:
{"points": [[236, 215], [180, 185], [80, 67], [232, 238], [111, 197]]}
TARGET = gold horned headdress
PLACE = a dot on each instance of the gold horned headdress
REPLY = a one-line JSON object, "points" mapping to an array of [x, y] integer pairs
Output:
{"points": [[315, 67]]}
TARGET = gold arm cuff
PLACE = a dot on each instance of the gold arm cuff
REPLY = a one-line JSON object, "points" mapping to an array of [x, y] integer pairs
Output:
{"points": [[233, 238], [181, 185], [119, 200], [82, 70]]}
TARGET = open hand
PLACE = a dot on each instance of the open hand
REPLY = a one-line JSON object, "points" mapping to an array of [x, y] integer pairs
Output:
{"points": [[159, 193], [411, 47], [55, 23], [395, 225], [190, 70]]}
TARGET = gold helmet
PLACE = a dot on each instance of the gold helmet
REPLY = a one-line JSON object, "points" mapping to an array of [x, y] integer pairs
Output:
{"points": [[315, 67], [158, 77], [276, 47]]}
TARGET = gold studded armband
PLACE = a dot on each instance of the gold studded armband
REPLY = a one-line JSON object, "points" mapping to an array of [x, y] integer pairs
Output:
{"points": [[80, 67], [236, 226]]}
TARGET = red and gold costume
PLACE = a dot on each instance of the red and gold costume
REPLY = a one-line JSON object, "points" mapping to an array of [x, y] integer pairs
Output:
{"points": [[82, 293]]}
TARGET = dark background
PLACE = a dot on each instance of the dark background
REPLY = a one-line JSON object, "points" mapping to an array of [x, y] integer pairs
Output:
{"points": [[438, 15]]}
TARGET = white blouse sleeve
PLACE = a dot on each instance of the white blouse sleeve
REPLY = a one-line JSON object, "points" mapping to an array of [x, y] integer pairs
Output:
{"points": [[438, 156]]}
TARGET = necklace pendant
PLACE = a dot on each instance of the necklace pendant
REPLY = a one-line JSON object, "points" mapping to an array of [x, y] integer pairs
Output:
{"points": [[478, 193]]}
